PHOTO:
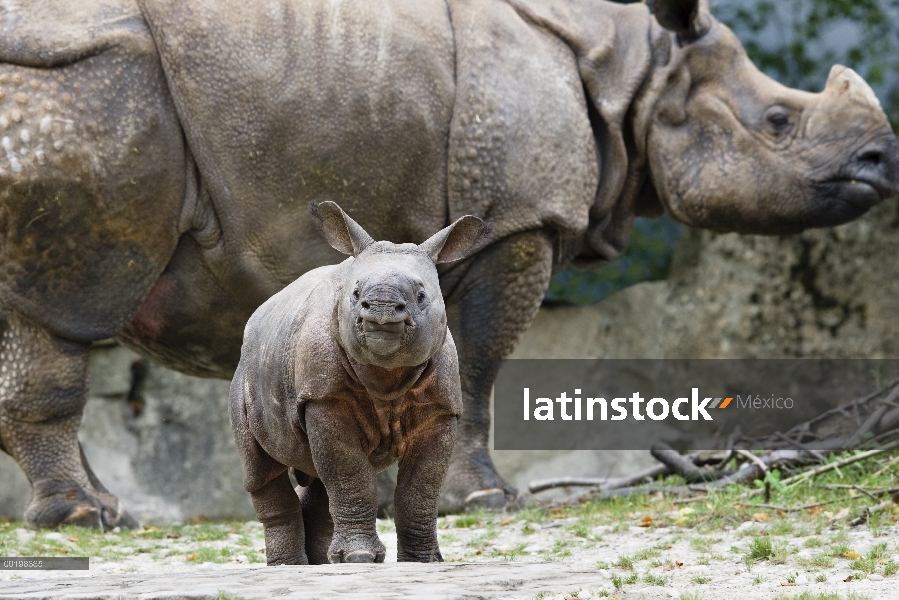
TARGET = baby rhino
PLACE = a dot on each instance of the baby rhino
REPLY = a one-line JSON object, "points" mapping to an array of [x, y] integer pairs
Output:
{"points": [[347, 370]]}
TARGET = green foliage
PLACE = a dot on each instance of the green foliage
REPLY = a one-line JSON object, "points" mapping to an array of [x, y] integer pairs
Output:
{"points": [[647, 258], [797, 41]]}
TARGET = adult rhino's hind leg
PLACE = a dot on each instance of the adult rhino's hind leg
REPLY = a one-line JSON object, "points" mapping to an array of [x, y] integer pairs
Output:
{"points": [[488, 308], [43, 389]]}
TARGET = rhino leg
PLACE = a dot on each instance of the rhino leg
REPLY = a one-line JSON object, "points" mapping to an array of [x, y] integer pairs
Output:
{"points": [[350, 480], [422, 471], [268, 481], [279, 511], [489, 305], [316, 520], [43, 389]]}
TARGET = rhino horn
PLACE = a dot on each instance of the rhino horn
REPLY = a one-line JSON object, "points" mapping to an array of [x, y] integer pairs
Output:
{"points": [[843, 80]]}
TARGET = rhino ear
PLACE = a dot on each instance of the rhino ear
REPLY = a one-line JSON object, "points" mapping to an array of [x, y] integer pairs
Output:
{"points": [[689, 19], [456, 241], [344, 234]]}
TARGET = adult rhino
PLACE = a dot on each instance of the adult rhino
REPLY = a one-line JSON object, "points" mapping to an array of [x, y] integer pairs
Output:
{"points": [[158, 160]]}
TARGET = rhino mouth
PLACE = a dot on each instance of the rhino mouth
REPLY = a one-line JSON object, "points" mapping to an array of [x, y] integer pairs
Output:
{"points": [[857, 190], [385, 339]]}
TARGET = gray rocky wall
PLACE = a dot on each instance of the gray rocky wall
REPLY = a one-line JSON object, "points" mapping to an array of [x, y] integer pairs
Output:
{"points": [[825, 293]]}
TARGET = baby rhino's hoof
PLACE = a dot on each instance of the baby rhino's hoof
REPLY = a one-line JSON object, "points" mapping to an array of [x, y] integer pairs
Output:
{"points": [[360, 556], [359, 548], [357, 556]]}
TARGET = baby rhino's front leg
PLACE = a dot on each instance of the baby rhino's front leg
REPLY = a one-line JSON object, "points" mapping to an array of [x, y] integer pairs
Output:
{"points": [[350, 481], [422, 471]]}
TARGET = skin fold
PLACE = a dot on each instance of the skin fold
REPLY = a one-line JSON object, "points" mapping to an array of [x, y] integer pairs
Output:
{"points": [[157, 158]]}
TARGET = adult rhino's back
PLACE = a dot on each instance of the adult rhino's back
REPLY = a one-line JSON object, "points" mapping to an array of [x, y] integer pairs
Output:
{"points": [[302, 100]]}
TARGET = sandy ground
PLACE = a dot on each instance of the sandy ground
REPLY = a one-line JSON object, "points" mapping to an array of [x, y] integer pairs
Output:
{"points": [[494, 556]]}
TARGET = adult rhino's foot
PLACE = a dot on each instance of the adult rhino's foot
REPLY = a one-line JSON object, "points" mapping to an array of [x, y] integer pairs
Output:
{"points": [[69, 504], [356, 548], [472, 483]]}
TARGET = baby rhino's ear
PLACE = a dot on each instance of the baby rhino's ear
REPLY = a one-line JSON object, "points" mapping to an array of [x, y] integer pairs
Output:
{"points": [[344, 234], [456, 241]]}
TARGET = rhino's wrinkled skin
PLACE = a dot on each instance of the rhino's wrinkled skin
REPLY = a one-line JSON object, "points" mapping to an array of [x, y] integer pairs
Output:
{"points": [[344, 372], [157, 160]]}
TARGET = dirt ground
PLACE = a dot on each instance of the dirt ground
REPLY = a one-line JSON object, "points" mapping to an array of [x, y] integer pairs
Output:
{"points": [[529, 554]]}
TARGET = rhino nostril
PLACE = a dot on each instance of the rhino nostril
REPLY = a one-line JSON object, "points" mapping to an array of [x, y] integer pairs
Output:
{"points": [[400, 307], [872, 157], [365, 305]]}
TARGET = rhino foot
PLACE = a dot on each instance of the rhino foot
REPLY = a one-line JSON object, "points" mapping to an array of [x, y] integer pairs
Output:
{"points": [[356, 549], [475, 486], [81, 507]]}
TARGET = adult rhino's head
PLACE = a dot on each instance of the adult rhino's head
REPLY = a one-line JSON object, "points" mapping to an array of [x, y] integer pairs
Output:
{"points": [[730, 149], [390, 310]]}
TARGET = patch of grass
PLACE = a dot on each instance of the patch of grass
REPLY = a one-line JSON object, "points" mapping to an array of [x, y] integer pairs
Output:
{"points": [[468, 520], [878, 552], [651, 579], [214, 555], [646, 553], [760, 549], [701, 579], [782, 527], [839, 549], [625, 562], [509, 554], [560, 549], [703, 545], [863, 564], [580, 529]]}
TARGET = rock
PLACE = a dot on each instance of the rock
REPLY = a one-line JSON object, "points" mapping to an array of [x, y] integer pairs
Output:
{"points": [[672, 593], [875, 577], [801, 579]]}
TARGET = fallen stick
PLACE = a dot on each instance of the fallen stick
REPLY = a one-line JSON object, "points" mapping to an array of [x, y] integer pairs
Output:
{"points": [[794, 509], [869, 425], [805, 476], [606, 483], [867, 512], [681, 465], [800, 445]]}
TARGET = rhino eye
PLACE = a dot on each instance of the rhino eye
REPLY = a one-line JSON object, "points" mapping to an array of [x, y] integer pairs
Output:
{"points": [[355, 294], [421, 297], [778, 119]]}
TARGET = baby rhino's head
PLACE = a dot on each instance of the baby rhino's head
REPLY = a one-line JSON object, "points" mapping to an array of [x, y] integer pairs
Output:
{"points": [[390, 310]]}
